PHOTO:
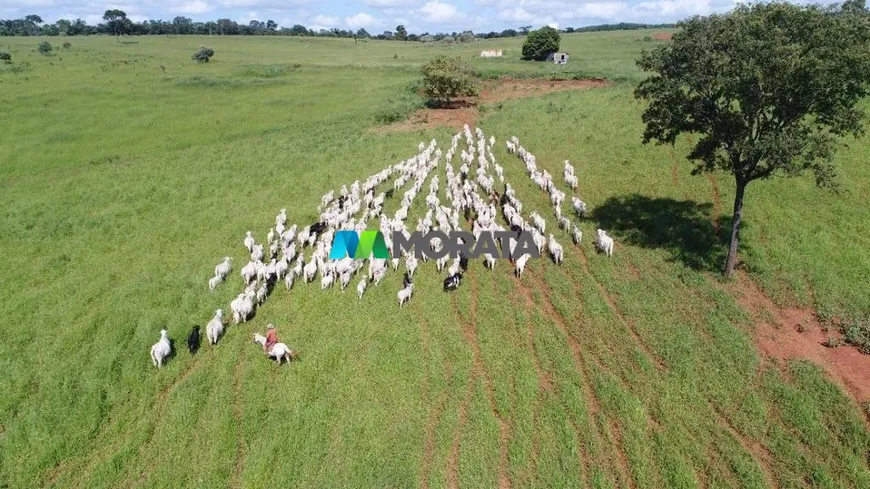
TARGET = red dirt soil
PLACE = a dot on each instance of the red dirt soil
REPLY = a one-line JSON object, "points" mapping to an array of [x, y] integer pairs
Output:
{"points": [[662, 36], [491, 92], [798, 334]]}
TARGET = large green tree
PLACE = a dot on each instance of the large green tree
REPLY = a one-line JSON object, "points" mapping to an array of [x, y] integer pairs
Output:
{"points": [[445, 78], [540, 43], [117, 21], [769, 89]]}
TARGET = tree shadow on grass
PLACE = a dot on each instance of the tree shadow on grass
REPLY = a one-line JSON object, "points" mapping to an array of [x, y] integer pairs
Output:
{"points": [[683, 227]]}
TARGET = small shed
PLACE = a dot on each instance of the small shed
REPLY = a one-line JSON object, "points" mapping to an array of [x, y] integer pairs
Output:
{"points": [[558, 58]]}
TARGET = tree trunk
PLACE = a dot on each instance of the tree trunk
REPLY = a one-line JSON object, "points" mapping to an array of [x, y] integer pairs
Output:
{"points": [[735, 227]]}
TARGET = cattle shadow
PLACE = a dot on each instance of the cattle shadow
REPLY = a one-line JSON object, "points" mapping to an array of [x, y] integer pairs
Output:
{"points": [[683, 227]]}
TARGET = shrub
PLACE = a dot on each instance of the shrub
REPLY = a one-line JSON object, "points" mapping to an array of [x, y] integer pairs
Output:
{"points": [[67, 45], [44, 48], [5, 57], [203, 54], [466, 36], [857, 333], [447, 77], [541, 43]]}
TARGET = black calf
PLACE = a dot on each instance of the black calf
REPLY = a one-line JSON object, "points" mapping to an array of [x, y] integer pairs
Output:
{"points": [[452, 282], [193, 340]]}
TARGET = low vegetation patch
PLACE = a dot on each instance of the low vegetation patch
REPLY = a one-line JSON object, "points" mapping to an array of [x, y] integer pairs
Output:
{"points": [[44, 48], [268, 71], [857, 334], [446, 78], [203, 54]]}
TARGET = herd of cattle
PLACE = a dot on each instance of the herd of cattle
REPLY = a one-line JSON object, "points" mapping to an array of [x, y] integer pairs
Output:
{"points": [[470, 195]]}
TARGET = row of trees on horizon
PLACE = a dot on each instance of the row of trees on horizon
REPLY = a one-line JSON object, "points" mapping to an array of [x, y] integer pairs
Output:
{"points": [[117, 23]]}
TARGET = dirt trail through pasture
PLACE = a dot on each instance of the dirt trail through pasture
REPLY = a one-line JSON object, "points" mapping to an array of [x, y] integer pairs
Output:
{"points": [[545, 384], [465, 111], [620, 462], [629, 325], [435, 410], [759, 452], [239, 464], [796, 333]]}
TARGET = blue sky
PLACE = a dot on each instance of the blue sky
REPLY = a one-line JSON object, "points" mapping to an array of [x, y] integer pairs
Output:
{"points": [[379, 15]]}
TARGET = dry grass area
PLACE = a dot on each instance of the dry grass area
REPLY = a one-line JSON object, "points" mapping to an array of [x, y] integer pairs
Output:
{"points": [[466, 110]]}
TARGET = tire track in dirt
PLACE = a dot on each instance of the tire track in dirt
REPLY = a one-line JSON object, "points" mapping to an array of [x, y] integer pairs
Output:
{"points": [[545, 384], [160, 407], [452, 468], [453, 458], [435, 410], [759, 453], [629, 325], [104, 451], [239, 463], [624, 465], [580, 365], [162, 400], [429, 447], [469, 331], [590, 398]]}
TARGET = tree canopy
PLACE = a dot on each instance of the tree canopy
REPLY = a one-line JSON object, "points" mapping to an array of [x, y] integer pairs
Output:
{"points": [[540, 43], [769, 89], [117, 21], [445, 78]]}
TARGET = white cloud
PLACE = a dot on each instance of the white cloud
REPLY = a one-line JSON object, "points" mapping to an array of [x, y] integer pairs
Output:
{"points": [[191, 7], [602, 11], [274, 4], [524, 17], [327, 20], [438, 12], [516, 15], [389, 3], [248, 18], [677, 8], [361, 20]]}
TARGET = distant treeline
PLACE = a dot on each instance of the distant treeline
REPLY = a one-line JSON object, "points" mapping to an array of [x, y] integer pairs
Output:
{"points": [[117, 23], [622, 26]]}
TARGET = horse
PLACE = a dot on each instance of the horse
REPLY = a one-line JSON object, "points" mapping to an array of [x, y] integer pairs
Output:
{"points": [[279, 351]]}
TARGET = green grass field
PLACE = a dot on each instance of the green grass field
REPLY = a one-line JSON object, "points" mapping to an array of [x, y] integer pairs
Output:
{"points": [[127, 171]]}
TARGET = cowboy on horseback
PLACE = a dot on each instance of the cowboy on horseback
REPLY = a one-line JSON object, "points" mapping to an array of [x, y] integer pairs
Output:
{"points": [[271, 339]]}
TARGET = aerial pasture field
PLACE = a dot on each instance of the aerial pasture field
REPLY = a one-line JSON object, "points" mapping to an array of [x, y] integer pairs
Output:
{"points": [[127, 171]]}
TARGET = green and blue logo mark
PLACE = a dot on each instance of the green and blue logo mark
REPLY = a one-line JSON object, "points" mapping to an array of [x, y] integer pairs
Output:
{"points": [[358, 246]]}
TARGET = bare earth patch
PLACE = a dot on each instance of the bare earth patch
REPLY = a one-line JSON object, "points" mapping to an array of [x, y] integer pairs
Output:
{"points": [[465, 111], [796, 333], [662, 36]]}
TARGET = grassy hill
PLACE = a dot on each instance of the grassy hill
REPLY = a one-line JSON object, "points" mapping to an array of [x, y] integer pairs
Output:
{"points": [[127, 171]]}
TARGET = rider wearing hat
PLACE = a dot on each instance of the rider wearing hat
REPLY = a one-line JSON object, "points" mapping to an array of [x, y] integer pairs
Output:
{"points": [[271, 339]]}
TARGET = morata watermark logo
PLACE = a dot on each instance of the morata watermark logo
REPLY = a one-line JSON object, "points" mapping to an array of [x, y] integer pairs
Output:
{"points": [[360, 246]]}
